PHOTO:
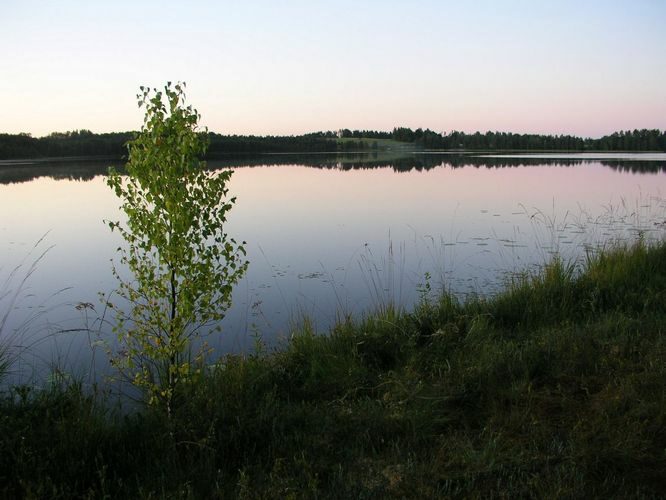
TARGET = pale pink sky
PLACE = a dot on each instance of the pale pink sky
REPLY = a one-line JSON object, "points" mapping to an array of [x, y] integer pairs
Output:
{"points": [[585, 68]]}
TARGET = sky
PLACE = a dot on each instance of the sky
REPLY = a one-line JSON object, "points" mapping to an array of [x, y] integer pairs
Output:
{"points": [[583, 67]]}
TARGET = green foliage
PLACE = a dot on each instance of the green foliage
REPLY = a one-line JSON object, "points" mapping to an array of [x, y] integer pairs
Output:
{"points": [[183, 264]]}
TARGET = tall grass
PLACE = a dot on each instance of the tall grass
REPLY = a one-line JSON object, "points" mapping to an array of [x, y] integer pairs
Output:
{"points": [[15, 334], [554, 388]]}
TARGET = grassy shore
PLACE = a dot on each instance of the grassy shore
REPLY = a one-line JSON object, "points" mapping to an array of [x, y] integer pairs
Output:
{"points": [[554, 389]]}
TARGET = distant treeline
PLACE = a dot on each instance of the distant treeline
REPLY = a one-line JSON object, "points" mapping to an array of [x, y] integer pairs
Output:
{"points": [[630, 140], [59, 144], [308, 143], [86, 143]]}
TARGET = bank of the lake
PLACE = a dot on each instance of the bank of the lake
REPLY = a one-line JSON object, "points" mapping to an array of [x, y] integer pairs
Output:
{"points": [[86, 143], [555, 388]]}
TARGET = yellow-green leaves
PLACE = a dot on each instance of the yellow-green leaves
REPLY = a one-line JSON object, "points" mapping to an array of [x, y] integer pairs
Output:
{"points": [[183, 264]]}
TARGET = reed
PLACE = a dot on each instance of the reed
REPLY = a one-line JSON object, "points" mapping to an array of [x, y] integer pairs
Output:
{"points": [[15, 334]]}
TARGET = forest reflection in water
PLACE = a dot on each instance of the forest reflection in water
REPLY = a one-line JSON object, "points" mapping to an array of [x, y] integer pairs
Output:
{"points": [[12, 171]]}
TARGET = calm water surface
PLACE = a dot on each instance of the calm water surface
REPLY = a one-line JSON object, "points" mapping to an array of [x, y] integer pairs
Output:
{"points": [[326, 236]]}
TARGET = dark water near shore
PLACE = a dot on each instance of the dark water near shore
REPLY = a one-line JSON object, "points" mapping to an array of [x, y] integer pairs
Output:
{"points": [[327, 236]]}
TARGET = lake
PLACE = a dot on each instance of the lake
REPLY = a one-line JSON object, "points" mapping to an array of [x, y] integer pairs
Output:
{"points": [[327, 236]]}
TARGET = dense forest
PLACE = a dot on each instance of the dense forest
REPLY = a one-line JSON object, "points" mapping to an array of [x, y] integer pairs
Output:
{"points": [[636, 140], [86, 143]]}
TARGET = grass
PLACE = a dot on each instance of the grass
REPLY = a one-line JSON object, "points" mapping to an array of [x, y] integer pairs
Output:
{"points": [[13, 290], [554, 388]]}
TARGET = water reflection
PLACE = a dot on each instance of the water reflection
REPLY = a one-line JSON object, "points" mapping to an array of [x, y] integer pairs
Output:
{"points": [[334, 235], [399, 161]]}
